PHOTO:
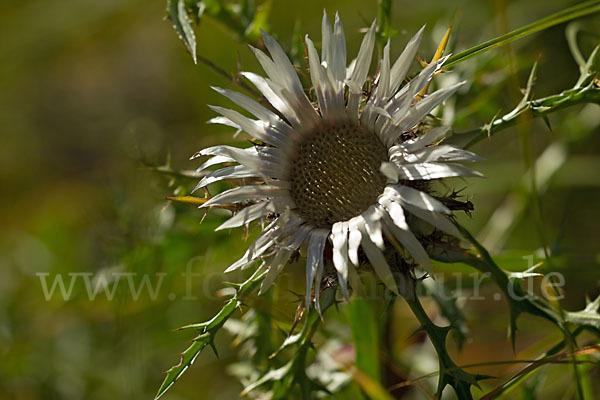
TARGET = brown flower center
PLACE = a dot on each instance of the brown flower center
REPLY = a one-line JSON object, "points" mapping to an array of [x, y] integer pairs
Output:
{"points": [[335, 175]]}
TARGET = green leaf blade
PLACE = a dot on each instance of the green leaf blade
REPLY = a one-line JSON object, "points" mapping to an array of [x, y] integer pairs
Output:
{"points": [[178, 15], [187, 358], [366, 338], [568, 14]]}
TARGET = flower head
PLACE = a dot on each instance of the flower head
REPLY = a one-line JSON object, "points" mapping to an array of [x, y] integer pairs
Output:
{"points": [[346, 170]]}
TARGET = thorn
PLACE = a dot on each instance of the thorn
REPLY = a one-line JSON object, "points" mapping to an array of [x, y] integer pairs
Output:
{"points": [[214, 348], [480, 377], [203, 217], [297, 295], [416, 331], [489, 126], [179, 364], [281, 330], [547, 121], [422, 62], [299, 314]]}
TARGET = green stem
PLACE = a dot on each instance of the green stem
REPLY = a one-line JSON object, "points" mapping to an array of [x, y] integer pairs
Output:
{"points": [[383, 20], [580, 10]]}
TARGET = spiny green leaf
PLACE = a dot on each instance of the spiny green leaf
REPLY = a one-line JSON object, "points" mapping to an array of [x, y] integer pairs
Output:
{"points": [[588, 316], [187, 358], [449, 308], [518, 300], [208, 331], [217, 320], [449, 372], [178, 15]]}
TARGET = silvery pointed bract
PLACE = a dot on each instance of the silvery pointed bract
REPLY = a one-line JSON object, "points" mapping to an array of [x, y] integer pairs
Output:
{"points": [[340, 170]]}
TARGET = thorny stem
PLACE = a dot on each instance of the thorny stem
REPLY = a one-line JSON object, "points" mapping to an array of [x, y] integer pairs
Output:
{"points": [[576, 11], [449, 372], [484, 263], [586, 90], [538, 108], [518, 299]]}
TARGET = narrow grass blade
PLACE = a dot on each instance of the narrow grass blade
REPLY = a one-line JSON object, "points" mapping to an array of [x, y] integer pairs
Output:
{"points": [[568, 14], [366, 341]]}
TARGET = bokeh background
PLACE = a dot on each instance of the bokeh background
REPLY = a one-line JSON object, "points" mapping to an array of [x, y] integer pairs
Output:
{"points": [[97, 96]]}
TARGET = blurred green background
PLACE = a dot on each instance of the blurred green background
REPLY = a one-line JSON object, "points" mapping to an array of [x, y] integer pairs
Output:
{"points": [[93, 93]]}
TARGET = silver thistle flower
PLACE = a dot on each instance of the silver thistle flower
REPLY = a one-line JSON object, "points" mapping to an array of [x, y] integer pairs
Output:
{"points": [[342, 170]]}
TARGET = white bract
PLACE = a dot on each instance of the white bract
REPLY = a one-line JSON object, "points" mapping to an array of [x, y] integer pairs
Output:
{"points": [[343, 171]]}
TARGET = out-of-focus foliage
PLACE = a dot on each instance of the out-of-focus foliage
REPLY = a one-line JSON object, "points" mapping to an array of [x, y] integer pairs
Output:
{"points": [[96, 96]]}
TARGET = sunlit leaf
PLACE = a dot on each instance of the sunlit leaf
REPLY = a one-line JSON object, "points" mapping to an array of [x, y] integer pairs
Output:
{"points": [[370, 386], [366, 338]]}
